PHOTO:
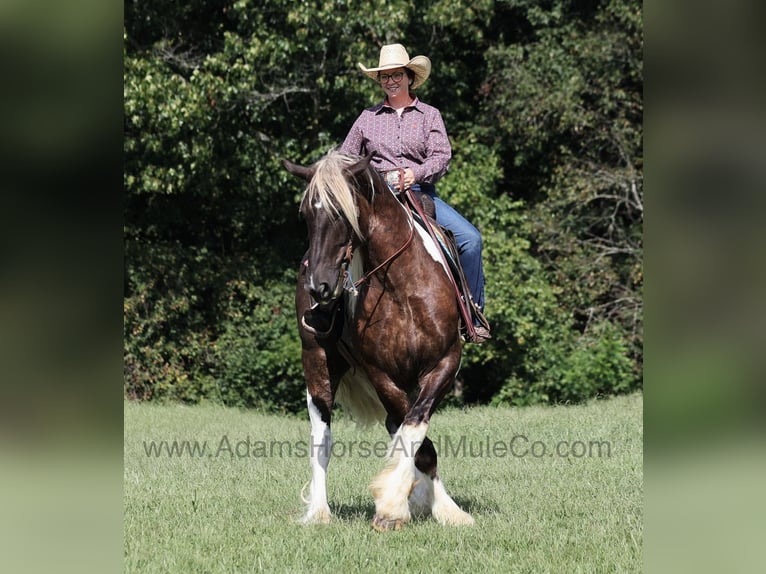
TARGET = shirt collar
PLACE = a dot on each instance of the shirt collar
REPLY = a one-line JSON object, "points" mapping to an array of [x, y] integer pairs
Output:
{"points": [[385, 105]]}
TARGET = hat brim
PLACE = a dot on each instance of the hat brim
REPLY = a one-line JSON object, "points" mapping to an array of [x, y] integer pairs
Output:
{"points": [[420, 66]]}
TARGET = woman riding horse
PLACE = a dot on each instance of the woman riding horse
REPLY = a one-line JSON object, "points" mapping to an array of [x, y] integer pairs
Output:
{"points": [[407, 134]]}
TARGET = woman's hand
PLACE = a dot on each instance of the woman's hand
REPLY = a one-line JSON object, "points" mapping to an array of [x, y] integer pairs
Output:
{"points": [[393, 180], [409, 178]]}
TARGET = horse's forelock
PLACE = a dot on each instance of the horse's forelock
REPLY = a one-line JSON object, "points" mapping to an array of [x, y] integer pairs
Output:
{"points": [[332, 187]]}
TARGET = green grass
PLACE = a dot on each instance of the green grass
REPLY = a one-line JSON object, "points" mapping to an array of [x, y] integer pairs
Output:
{"points": [[223, 513]]}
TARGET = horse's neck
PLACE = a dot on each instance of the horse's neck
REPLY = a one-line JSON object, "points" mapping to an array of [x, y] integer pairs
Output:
{"points": [[389, 229]]}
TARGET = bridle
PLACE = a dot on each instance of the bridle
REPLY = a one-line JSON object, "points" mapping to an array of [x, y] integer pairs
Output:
{"points": [[343, 274], [345, 281]]}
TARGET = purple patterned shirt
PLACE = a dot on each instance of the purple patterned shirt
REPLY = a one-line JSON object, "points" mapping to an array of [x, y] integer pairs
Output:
{"points": [[417, 139]]}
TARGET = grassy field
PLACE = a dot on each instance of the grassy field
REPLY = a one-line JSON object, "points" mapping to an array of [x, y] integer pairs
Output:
{"points": [[552, 489]]}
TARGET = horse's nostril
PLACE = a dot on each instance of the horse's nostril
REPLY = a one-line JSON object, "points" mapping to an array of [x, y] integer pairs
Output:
{"points": [[321, 293]]}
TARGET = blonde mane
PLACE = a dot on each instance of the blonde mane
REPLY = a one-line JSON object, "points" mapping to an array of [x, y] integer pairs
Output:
{"points": [[331, 188]]}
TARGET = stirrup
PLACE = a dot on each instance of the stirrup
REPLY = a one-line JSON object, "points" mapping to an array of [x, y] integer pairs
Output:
{"points": [[481, 334], [480, 331]]}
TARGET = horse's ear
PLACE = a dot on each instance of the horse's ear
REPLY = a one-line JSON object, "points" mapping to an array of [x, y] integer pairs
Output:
{"points": [[295, 169], [361, 165]]}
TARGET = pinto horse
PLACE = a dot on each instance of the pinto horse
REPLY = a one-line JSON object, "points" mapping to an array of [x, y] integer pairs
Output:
{"points": [[379, 328]]}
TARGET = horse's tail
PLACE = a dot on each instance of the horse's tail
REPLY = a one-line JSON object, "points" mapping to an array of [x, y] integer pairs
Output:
{"points": [[357, 396]]}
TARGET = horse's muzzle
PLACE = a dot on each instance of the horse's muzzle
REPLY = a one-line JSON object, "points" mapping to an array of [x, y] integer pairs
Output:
{"points": [[324, 293]]}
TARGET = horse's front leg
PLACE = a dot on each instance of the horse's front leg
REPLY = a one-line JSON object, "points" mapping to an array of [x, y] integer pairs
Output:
{"points": [[410, 479], [322, 369], [320, 446]]}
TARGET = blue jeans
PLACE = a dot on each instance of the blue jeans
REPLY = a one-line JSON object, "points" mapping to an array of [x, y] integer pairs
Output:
{"points": [[468, 241]]}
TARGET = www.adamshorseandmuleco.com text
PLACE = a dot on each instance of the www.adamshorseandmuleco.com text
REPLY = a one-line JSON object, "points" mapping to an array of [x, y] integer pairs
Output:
{"points": [[247, 447]]}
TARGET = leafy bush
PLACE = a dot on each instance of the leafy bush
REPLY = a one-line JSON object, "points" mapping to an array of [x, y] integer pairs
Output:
{"points": [[536, 354], [191, 334], [167, 337], [258, 354]]}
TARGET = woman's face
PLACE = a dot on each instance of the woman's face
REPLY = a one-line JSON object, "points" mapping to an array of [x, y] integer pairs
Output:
{"points": [[394, 81]]}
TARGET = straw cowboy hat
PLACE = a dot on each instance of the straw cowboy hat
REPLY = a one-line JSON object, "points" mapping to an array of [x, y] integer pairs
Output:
{"points": [[395, 56]]}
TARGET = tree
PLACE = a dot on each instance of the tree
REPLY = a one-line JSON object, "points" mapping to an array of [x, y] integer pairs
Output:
{"points": [[568, 100]]}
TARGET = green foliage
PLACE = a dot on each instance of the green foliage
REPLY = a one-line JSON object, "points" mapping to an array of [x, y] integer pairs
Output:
{"points": [[569, 105], [166, 335], [258, 355], [536, 354], [590, 366], [543, 103], [236, 344]]}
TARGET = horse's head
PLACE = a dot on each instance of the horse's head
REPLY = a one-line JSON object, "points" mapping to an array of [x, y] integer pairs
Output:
{"points": [[330, 210]]}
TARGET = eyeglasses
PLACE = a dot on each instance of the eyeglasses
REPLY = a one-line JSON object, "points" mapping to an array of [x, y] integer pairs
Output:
{"points": [[396, 77]]}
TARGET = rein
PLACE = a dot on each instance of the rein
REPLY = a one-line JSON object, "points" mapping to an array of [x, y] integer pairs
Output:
{"points": [[389, 259]]}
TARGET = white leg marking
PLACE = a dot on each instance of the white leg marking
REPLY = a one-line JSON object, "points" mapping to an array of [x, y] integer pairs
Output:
{"points": [[444, 509], [393, 486], [422, 497], [318, 510]]}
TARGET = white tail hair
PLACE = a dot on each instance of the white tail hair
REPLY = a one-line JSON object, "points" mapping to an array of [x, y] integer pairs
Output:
{"points": [[357, 396]]}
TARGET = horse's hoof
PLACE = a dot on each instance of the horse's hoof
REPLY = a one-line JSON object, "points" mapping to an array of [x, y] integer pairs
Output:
{"points": [[381, 524], [321, 516]]}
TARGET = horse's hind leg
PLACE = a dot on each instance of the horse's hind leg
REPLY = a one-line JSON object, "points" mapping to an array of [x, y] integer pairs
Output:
{"points": [[429, 494], [422, 496]]}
